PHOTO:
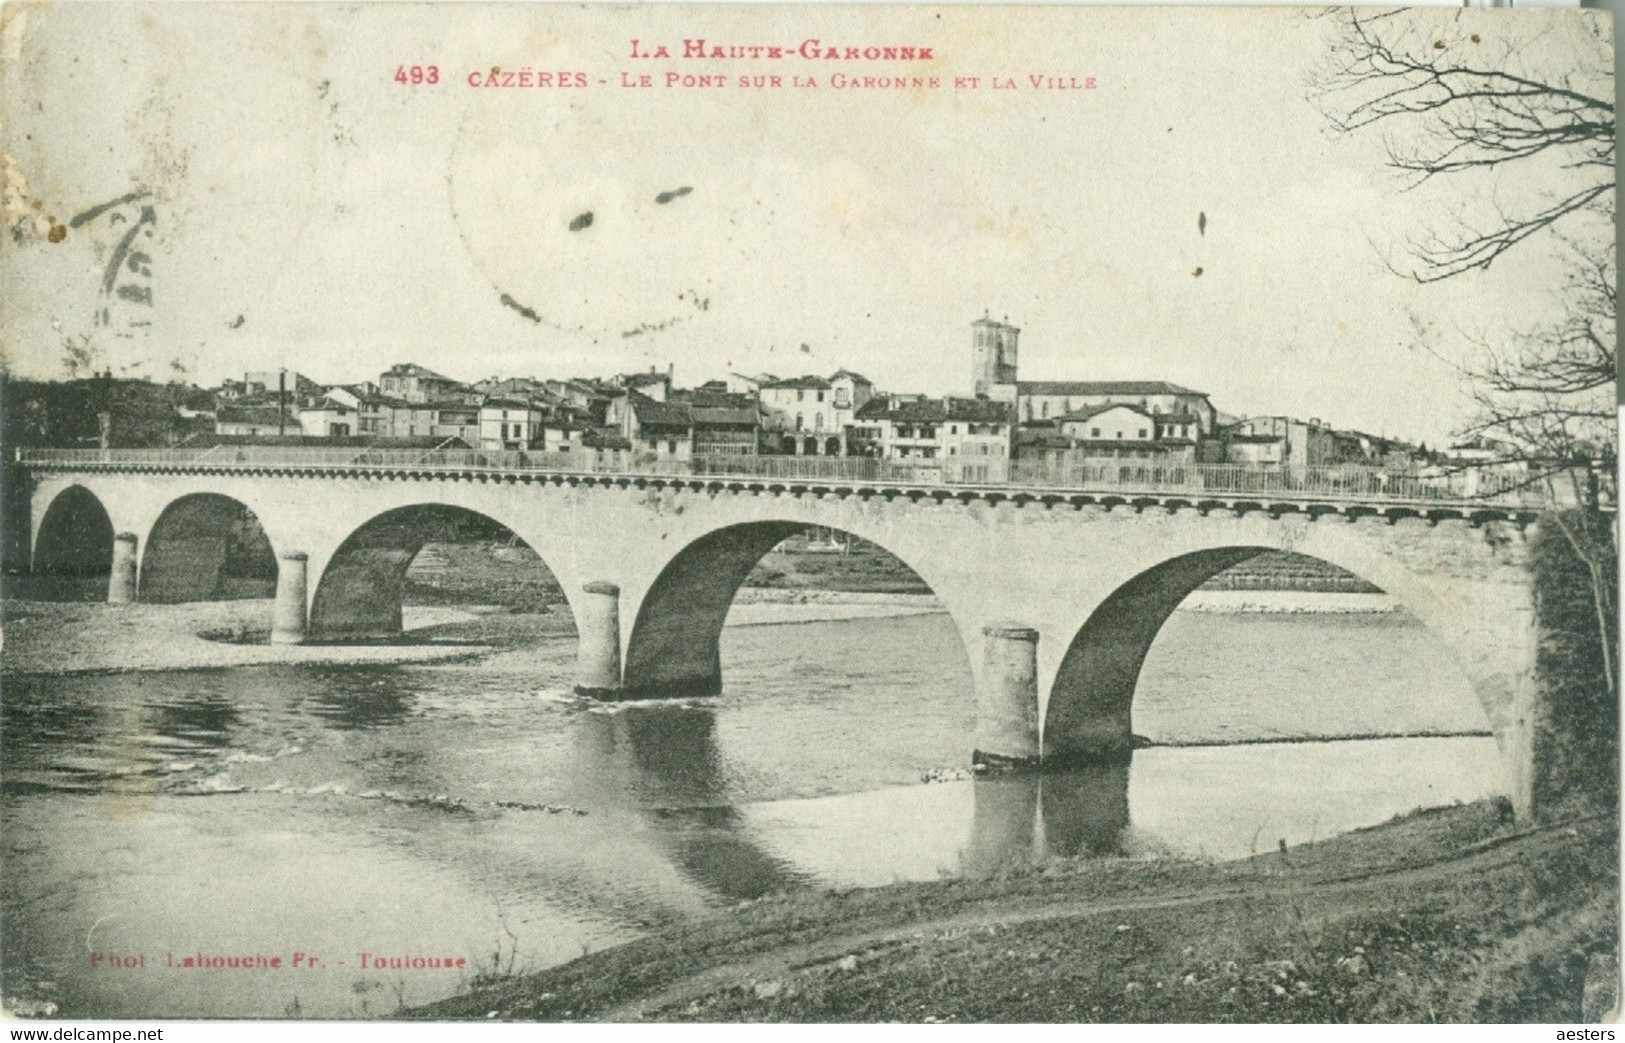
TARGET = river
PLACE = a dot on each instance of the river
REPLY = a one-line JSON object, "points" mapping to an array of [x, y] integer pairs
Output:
{"points": [[476, 809]]}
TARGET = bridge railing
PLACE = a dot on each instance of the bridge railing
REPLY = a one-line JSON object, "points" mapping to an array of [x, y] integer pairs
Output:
{"points": [[1345, 483]]}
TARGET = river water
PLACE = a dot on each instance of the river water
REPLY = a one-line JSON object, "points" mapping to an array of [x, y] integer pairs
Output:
{"points": [[475, 809]]}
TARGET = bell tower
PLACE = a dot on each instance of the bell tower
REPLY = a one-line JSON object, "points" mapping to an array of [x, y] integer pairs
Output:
{"points": [[993, 354]]}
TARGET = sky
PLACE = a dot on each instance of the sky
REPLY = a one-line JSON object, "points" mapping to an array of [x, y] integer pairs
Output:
{"points": [[1190, 218]]}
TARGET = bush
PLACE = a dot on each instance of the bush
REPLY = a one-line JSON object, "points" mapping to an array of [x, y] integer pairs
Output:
{"points": [[1574, 562]]}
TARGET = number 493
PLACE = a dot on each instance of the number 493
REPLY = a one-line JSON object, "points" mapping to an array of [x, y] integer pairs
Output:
{"points": [[417, 74]]}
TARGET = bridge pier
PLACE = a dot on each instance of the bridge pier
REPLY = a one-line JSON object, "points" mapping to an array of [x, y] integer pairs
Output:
{"points": [[288, 622], [598, 643], [121, 582], [1007, 699]]}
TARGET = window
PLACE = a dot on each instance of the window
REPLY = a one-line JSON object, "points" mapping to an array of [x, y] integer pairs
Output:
{"points": [[801, 421], [1094, 432], [820, 396], [953, 429], [1119, 436], [800, 394], [818, 420], [671, 445], [1044, 410], [1142, 432]]}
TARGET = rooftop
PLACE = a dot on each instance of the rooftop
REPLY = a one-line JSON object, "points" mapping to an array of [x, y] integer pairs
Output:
{"points": [[937, 410], [412, 369], [809, 383], [266, 415], [1091, 411], [205, 439], [1103, 387]]}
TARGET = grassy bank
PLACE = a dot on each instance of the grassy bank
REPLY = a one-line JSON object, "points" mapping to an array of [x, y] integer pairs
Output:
{"points": [[1449, 915]]}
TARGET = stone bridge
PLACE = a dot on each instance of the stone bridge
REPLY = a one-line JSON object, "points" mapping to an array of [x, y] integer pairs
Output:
{"points": [[1056, 593]]}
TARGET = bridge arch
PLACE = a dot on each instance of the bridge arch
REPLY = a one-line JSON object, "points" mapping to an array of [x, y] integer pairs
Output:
{"points": [[674, 648], [206, 547], [1088, 715], [74, 544], [363, 583]]}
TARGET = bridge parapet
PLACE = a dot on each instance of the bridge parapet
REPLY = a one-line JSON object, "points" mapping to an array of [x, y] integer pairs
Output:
{"points": [[1352, 490]]}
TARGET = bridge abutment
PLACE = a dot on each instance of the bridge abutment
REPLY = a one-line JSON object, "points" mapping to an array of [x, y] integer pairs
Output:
{"points": [[1007, 699], [121, 582], [598, 640], [289, 619]]}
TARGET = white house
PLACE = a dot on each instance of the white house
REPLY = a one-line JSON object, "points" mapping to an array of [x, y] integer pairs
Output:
{"points": [[508, 423]]}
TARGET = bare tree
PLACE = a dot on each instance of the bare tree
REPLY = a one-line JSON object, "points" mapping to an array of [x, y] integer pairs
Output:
{"points": [[1450, 103], [1545, 404], [1528, 115]]}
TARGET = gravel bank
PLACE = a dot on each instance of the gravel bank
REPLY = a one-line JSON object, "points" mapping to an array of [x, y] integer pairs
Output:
{"points": [[56, 638]]}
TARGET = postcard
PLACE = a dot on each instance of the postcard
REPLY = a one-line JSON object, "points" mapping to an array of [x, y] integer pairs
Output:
{"points": [[808, 513]]}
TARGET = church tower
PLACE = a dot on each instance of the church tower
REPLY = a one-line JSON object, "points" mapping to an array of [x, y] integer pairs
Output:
{"points": [[993, 354]]}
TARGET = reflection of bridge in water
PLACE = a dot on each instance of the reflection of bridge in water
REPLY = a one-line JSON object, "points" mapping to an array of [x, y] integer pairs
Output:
{"points": [[667, 762], [1057, 590]]}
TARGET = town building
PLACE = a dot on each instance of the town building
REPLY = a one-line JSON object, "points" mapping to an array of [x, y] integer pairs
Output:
{"points": [[652, 384], [800, 416], [329, 418], [254, 420], [1109, 432], [1286, 442], [508, 423], [810, 415], [411, 382], [658, 428], [276, 381], [707, 421], [994, 363], [457, 418], [748, 383], [585, 398], [958, 439], [1283, 441], [723, 423]]}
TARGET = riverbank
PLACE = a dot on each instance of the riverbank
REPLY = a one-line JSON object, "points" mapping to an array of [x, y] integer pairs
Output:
{"points": [[1443, 915], [69, 637], [1287, 602]]}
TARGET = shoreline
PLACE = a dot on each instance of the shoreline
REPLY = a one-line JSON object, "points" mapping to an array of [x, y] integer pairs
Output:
{"points": [[48, 637], [1390, 923]]}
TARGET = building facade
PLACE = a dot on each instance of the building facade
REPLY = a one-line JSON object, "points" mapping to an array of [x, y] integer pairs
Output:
{"points": [[508, 423]]}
